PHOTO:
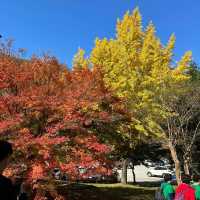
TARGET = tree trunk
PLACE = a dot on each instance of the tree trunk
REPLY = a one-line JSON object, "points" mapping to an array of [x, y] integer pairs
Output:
{"points": [[186, 166], [124, 171], [176, 162], [133, 172]]}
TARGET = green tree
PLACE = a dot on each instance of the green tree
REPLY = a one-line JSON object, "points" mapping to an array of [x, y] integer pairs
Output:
{"points": [[194, 72]]}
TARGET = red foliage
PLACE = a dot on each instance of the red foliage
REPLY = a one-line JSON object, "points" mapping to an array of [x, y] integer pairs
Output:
{"points": [[37, 172], [47, 112]]}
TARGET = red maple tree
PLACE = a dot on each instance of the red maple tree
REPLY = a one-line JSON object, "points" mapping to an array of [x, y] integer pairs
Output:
{"points": [[49, 112]]}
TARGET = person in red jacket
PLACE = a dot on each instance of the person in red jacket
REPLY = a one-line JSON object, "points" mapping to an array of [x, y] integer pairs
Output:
{"points": [[184, 191]]}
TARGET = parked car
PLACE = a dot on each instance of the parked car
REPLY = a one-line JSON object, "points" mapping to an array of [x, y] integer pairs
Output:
{"points": [[159, 171], [59, 175], [149, 163], [56, 173], [95, 178], [99, 178]]}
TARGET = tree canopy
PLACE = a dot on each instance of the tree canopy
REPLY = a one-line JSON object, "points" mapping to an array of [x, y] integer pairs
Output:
{"points": [[137, 67], [127, 92]]}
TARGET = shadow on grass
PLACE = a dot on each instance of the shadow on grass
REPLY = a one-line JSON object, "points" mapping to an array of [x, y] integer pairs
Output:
{"points": [[90, 192], [119, 193], [148, 184]]}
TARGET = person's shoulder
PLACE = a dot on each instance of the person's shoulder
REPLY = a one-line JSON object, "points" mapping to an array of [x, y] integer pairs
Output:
{"points": [[5, 181], [187, 187], [196, 186], [191, 188], [169, 187], [7, 190], [163, 185], [180, 187], [167, 184]]}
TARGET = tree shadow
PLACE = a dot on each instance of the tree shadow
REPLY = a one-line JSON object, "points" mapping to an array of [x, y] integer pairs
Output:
{"points": [[89, 192], [119, 193], [148, 184]]}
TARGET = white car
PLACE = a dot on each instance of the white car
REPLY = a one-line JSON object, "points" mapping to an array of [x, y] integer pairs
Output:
{"points": [[159, 171]]}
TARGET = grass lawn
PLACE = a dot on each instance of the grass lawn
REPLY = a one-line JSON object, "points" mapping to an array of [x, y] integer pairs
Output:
{"points": [[109, 192]]}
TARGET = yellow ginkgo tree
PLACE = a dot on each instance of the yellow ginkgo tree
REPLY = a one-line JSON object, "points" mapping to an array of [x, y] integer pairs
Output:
{"points": [[79, 60], [138, 68]]}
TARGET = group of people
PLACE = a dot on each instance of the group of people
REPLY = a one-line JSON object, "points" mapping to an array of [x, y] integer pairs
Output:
{"points": [[188, 189]]}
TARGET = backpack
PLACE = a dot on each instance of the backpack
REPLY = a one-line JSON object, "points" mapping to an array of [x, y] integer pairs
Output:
{"points": [[159, 195], [180, 195]]}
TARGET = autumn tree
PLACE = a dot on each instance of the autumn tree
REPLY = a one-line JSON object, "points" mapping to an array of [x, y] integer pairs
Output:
{"points": [[26, 107], [49, 113], [140, 70], [79, 60]]}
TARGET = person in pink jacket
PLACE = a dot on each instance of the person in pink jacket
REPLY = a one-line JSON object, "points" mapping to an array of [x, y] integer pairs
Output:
{"points": [[184, 191]]}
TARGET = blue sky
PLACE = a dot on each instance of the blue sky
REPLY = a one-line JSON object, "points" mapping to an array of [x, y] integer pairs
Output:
{"points": [[61, 26]]}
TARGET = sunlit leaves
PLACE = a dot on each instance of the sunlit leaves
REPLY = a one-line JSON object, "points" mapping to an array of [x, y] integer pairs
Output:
{"points": [[47, 112], [140, 69]]}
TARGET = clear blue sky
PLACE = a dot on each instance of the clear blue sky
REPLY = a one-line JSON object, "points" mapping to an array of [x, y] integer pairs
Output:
{"points": [[61, 26]]}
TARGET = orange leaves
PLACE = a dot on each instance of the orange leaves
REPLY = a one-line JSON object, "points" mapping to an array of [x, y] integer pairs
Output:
{"points": [[70, 168], [88, 153], [6, 124], [92, 143], [50, 112], [48, 140], [37, 172]]}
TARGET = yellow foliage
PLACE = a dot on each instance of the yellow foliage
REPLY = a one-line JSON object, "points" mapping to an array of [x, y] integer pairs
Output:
{"points": [[138, 68], [79, 61]]}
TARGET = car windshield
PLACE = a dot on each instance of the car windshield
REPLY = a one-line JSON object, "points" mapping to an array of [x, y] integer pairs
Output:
{"points": [[56, 170], [160, 168]]}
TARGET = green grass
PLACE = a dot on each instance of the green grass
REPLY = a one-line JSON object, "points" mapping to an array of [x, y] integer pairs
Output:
{"points": [[109, 192]]}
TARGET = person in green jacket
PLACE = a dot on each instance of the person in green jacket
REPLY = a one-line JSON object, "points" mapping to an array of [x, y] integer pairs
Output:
{"points": [[196, 186], [166, 188]]}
